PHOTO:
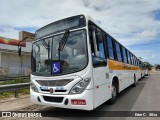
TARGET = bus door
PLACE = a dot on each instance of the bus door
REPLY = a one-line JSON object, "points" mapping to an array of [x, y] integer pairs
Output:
{"points": [[100, 71]]}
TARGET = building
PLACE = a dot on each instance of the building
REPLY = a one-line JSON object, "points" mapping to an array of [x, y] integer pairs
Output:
{"points": [[11, 64]]}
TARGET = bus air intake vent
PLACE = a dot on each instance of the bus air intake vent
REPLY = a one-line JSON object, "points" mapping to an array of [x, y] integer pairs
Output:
{"points": [[53, 99], [54, 82]]}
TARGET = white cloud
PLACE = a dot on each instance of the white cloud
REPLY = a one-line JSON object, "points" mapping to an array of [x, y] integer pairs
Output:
{"points": [[120, 17], [147, 34], [9, 32], [129, 21], [148, 55]]}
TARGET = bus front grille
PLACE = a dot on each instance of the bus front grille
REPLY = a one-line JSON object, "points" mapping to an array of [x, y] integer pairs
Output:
{"points": [[54, 82], [53, 99], [55, 90]]}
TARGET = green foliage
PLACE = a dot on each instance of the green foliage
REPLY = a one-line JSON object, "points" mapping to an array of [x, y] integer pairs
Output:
{"points": [[158, 67], [4, 95], [148, 65], [15, 81]]}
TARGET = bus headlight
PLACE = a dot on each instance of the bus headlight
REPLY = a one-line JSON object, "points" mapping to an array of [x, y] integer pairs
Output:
{"points": [[80, 86], [33, 87]]}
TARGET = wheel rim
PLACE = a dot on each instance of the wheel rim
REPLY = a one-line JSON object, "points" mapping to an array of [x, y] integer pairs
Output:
{"points": [[114, 93]]}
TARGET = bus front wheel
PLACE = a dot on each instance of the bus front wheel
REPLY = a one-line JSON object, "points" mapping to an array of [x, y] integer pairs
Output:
{"points": [[114, 94]]}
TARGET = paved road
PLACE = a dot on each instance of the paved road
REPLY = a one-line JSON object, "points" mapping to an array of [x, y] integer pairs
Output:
{"points": [[144, 97]]}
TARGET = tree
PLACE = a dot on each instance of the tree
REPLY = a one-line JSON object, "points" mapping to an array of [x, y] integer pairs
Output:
{"points": [[148, 65], [158, 67]]}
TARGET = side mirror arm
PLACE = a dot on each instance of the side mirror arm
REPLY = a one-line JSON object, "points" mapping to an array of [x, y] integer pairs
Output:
{"points": [[20, 47]]}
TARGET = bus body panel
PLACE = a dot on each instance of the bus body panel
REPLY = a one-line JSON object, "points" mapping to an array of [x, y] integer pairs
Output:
{"points": [[87, 95], [102, 85]]}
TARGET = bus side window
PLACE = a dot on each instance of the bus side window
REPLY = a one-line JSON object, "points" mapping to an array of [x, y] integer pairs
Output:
{"points": [[110, 47], [129, 58], [124, 55], [97, 46], [100, 44], [132, 59], [138, 62], [97, 42], [118, 51]]}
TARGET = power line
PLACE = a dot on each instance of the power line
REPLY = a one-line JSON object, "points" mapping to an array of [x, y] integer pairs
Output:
{"points": [[143, 44]]}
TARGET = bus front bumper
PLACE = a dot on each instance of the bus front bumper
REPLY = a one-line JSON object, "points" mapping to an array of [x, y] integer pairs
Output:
{"points": [[85, 100]]}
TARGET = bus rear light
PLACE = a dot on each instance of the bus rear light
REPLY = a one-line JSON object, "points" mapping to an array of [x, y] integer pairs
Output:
{"points": [[78, 102]]}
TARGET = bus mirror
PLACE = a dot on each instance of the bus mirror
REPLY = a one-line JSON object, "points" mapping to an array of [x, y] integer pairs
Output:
{"points": [[99, 62], [24, 36], [19, 50]]}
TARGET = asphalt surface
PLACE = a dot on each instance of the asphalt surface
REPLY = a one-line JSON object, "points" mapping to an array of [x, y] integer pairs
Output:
{"points": [[144, 97]]}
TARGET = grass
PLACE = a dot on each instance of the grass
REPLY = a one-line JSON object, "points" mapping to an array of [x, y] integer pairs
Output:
{"points": [[15, 81], [4, 95], [9, 94]]}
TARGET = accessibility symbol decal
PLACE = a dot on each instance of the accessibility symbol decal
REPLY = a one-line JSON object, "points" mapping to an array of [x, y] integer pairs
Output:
{"points": [[56, 68]]}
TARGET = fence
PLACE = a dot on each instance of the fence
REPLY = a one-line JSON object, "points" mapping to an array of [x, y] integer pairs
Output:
{"points": [[13, 87]]}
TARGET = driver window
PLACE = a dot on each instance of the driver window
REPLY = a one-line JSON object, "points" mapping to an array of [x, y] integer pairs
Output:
{"points": [[97, 42], [97, 37], [100, 44]]}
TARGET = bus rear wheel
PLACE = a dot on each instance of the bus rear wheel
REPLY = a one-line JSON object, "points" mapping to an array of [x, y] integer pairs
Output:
{"points": [[114, 95], [135, 82]]}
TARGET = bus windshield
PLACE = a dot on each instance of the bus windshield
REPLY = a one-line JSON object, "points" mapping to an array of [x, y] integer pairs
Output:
{"points": [[72, 58]]}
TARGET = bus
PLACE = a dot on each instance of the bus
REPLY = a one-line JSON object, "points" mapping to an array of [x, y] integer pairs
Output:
{"points": [[77, 65]]}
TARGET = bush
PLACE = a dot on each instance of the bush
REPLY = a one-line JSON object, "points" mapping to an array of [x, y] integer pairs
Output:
{"points": [[158, 67]]}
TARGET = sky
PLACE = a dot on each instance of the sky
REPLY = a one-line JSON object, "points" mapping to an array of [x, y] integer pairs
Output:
{"points": [[134, 23]]}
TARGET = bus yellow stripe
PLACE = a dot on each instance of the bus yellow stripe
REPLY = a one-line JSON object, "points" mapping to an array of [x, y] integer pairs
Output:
{"points": [[116, 65]]}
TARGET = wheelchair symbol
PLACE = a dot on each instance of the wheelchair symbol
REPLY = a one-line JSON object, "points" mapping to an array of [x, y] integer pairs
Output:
{"points": [[55, 69]]}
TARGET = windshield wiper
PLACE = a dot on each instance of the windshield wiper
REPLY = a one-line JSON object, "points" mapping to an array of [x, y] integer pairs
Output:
{"points": [[45, 44], [63, 42]]}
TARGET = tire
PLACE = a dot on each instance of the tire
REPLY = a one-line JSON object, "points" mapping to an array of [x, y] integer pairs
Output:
{"points": [[114, 95], [135, 82]]}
